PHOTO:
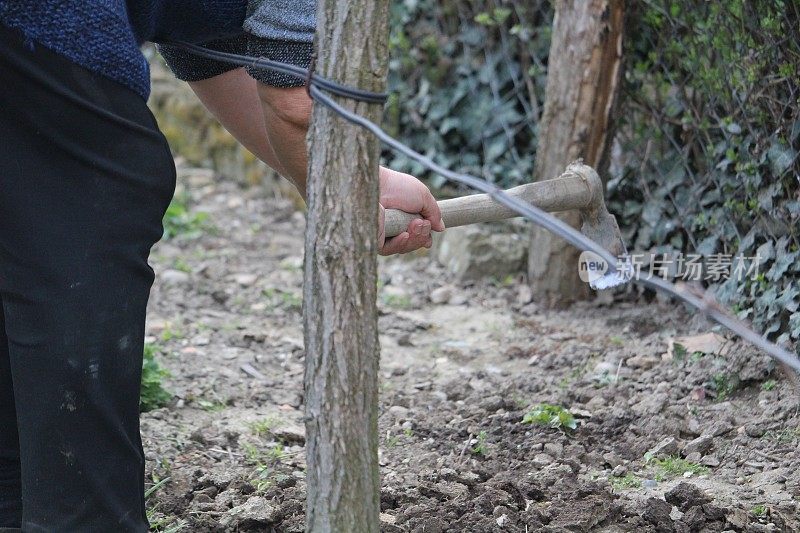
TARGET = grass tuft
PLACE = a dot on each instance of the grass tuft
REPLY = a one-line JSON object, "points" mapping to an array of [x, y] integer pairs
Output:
{"points": [[179, 221], [545, 414], [153, 394]]}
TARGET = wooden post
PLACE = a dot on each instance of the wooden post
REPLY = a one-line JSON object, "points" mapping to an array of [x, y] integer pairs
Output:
{"points": [[340, 310], [582, 82]]}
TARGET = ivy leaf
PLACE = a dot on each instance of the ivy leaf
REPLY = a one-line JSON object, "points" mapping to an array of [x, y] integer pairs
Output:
{"points": [[734, 128], [781, 157]]}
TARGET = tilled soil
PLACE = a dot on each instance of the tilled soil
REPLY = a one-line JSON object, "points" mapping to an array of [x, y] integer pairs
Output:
{"points": [[695, 442]]}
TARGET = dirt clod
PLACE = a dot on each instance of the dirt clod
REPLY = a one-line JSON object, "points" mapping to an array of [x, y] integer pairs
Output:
{"points": [[685, 496]]}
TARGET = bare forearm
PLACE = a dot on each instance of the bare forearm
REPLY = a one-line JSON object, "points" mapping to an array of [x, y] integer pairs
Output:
{"points": [[287, 113], [233, 99], [272, 123]]}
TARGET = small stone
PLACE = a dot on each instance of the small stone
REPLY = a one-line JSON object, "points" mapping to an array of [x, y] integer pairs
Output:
{"points": [[649, 483], [202, 498], [245, 280], [694, 517], [651, 404], [394, 291], [404, 340], [492, 404], [700, 445], [541, 460], [718, 428], [644, 362], [468, 478], [458, 298], [656, 511], [479, 252], [554, 449], [736, 519], [612, 459], [441, 295], [685, 496], [619, 471], [174, 277], [693, 427], [694, 457], [524, 294], [201, 341], [667, 447], [290, 433], [709, 460], [755, 431], [256, 511], [398, 411], [788, 506]]}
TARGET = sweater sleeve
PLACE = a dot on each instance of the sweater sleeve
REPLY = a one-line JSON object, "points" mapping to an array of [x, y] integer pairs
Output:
{"points": [[281, 30], [188, 67]]}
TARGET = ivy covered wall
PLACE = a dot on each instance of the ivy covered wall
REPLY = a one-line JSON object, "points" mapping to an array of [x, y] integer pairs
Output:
{"points": [[705, 160]]}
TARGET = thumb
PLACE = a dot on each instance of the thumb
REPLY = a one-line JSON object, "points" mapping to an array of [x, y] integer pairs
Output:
{"points": [[381, 230]]}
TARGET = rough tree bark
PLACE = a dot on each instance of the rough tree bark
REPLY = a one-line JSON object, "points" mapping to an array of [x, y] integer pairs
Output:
{"points": [[583, 76], [339, 316]]}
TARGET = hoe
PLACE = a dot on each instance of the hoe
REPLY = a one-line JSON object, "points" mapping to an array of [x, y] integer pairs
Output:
{"points": [[579, 187]]}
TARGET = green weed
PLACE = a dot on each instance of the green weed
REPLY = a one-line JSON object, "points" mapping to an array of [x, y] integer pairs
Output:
{"points": [[556, 417], [179, 221], [263, 427], [724, 385], [181, 264], [768, 385], [212, 406], [785, 435], [670, 467], [285, 299], [507, 281], [759, 510], [169, 333], [391, 440], [397, 301], [158, 522], [480, 447], [616, 340], [264, 473], [153, 394], [628, 481]]}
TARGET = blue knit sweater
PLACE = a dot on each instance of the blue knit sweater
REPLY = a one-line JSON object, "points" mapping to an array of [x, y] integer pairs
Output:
{"points": [[105, 35]]}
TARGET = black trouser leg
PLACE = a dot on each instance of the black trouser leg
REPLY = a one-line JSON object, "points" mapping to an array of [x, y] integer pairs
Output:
{"points": [[86, 178], [10, 482]]}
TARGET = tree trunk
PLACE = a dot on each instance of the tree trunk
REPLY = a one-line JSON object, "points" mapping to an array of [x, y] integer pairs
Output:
{"points": [[340, 311], [583, 75]]}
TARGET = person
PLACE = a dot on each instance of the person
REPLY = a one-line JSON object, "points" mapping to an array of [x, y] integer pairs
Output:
{"points": [[85, 179]]}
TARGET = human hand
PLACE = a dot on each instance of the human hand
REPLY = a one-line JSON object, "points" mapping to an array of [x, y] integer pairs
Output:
{"points": [[407, 193]]}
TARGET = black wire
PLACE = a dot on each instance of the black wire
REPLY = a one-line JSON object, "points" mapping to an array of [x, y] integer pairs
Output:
{"points": [[529, 211], [285, 68], [540, 217]]}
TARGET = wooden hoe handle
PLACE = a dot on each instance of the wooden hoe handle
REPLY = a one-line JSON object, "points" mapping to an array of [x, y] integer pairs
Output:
{"points": [[574, 189]]}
